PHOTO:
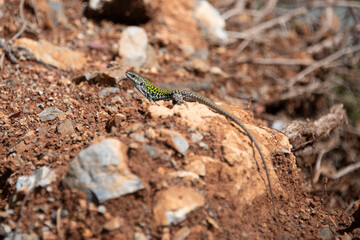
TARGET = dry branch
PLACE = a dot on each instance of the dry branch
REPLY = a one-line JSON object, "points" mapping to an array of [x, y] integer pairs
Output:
{"points": [[325, 26], [326, 44], [25, 23], [344, 171], [239, 7], [269, 7], [276, 61], [8, 53], [255, 31], [323, 63], [348, 4], [318, 169], [300, 132], [301, 91]]}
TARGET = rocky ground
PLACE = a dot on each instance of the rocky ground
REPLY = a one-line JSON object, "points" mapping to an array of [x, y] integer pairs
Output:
{"points": [[85, 156]]}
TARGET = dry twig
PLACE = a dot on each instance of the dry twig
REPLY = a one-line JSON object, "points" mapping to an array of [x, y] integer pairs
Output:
{"points": [[301, 91], [348, 4], [8, 53], [326, 44], [25, 23], [255, 31], [269, 7], [239, 7], [276, 61], [323, 62], [241, 47], [317, 170], [2, 58], [344, 171], [326, 24], [60, 233]]}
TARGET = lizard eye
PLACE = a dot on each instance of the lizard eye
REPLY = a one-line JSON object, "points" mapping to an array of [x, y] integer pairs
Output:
{"points": [[141, 84]]}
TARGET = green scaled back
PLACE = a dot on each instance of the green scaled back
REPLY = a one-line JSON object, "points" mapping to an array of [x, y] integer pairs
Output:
{"points": [[156, 93]]}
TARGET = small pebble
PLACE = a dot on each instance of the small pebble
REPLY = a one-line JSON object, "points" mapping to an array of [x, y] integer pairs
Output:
{"points": [[49, 114], [101, 209]]}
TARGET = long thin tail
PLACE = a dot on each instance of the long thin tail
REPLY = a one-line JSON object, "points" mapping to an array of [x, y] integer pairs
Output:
{"points": [[208, 102], [252, 138]]}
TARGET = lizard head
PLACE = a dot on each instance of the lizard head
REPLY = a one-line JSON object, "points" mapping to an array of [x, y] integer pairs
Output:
{"points": [[140, 82]]}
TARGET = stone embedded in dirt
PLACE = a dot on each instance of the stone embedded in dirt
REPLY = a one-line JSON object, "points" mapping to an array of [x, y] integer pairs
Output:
{"points": [[107, 91], [101, 209], [139, 137], [212, 25], [175, 140], [239, 154], [204, 159], [150, 133], [186, 175], [196, 115], [175, 203], [196, 137], [197, 65], [326, 233], [166, 234], [132, 46], [140, 236], [282, 212], [153, 152], [102, 169], [182, 233], [20, 147], [4, 229], [200, 65], [116, 121], [133, 127], [113, 224], [108, 77], [204, 146], [187, 50], [65, 128], [49, 114], [218, 72], [47, 53], [41, 177], [233, 149], [197, 167]]}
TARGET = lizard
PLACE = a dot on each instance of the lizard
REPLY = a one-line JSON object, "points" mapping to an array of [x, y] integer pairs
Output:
{"points": [[178, 96]]}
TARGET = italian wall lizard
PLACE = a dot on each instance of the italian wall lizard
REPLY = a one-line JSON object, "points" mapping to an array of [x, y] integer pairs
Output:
{"points": [[153, 93]]}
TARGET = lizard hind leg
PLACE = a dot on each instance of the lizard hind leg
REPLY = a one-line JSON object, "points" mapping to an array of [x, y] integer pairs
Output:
{"points": [[178, 99]]}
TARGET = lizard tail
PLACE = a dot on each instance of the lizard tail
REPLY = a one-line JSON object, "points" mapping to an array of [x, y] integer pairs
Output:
{"points": [[192, 96]]}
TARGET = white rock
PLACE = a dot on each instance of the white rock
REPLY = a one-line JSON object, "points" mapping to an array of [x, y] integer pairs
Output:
{"points": [[133, 46], [102, 169], [211, 23], [41, 177]]}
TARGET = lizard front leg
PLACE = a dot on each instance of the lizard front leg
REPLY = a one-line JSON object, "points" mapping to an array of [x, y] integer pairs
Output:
{"points": [[179, 99]]}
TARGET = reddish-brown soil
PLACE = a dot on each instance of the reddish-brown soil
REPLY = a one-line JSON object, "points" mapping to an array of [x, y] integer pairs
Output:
{"points": [[26, 143]]}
